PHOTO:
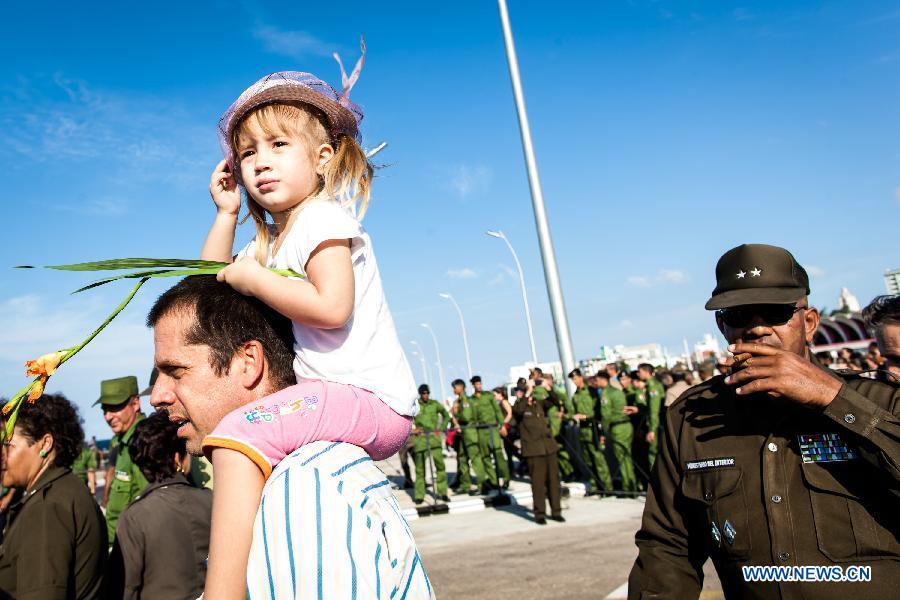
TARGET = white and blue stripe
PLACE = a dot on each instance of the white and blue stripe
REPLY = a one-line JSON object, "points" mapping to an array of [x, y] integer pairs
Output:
{"points": [[328, 527]]}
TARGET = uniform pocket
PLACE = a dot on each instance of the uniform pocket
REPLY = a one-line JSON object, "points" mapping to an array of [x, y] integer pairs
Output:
{"points": [[721, 493], [852, 520]]}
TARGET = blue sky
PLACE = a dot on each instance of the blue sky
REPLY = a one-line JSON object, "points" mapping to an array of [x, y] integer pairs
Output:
{"points": [[665, 132]]}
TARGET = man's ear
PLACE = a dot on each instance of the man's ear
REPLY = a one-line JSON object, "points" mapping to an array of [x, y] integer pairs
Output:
{"points": [[249, 364], [810, 323]]}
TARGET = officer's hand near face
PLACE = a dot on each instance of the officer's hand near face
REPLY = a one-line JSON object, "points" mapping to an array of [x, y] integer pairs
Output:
{"points": [[769, 344], [780, 373]]}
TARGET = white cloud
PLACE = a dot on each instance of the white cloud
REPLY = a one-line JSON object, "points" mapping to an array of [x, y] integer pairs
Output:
{"points": [[136, 138], [815, 272], [467, 180], [673, 276], [293, 44], [638, 281], [463, 273], [626, 323], [665, 276], [505, 273], [897, 195]]}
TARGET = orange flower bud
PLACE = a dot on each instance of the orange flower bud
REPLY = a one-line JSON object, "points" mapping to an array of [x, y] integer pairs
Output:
{"points": [[36, 390], [45, 365]]}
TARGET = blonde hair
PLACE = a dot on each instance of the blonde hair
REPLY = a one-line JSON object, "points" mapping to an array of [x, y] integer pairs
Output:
{"points": [[347, 175]]}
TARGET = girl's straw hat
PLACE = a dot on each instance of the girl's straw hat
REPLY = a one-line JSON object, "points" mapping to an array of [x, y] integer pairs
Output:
{"points": [[342, 114]]}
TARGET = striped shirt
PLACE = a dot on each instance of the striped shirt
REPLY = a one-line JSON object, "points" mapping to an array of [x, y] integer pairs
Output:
{"points": [[328, 526]]}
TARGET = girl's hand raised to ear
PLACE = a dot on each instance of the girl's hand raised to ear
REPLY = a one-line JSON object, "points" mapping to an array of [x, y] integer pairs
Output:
{"points": [[224, 190]]}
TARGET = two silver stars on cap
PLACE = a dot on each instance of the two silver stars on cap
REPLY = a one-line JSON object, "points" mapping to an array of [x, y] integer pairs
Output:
{"points": [[755, 272]]}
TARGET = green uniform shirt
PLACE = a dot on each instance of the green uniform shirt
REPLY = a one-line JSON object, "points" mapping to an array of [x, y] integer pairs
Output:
{"points": [[128, 481], [465, 415], [487, 411], [583, 403], [612, 401], [86, 461], [432, 417], [656, 393]]}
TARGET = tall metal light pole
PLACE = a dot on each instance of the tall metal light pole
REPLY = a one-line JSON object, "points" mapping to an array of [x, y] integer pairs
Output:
{"points": [[462, 323], [437, 352], [502, 236], [422, 365], [426, 372], [554, 290]]}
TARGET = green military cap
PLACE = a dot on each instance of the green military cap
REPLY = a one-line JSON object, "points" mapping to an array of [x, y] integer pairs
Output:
{"points": [[758, 274], [117, 391]]}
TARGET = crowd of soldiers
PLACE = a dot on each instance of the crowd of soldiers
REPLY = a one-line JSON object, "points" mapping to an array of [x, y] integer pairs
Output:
{"points": [[606, 432]]}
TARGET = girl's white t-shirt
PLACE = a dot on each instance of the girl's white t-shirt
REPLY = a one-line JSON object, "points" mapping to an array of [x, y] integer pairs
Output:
{"points": [[366, 351]]}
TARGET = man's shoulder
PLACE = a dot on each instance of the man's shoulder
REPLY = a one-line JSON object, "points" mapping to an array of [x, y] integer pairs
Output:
{"points": [[692, 397], [885, 394], [329, 460]]}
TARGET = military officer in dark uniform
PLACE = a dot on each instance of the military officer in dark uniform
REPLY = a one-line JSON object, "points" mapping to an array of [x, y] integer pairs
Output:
{"points": [[539, 449], [781, 462]]}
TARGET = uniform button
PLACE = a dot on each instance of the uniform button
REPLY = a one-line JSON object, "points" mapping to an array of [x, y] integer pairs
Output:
{"points": [[776, 498], [708, 496], [773, 447], [784, 555], [850, 418]]}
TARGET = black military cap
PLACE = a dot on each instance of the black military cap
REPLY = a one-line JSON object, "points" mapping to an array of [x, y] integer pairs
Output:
{"points": [[758, 274], [424, 389], [458, 382], [475, 379]]}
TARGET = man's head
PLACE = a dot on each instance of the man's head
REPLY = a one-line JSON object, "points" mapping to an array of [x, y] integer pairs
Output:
{"points": [[424, 392], [612, 369], [120, 403], [476, 383], [577, 378], [761, 297], [459, 387], [602, 378], [882, 316], [645, 371], [625, 379], [215, 350]]}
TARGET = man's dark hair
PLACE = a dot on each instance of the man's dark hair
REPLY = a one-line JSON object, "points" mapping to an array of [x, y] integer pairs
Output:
{"points": [[53, 414], [456, 382], [154, 445], [646, 367], [883, 310], [224, 320]]}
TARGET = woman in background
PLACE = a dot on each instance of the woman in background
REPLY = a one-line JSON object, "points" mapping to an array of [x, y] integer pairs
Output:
{"points": [[55, 542], [162, 539]]}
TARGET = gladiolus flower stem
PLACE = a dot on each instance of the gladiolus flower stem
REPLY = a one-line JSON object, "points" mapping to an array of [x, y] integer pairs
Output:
{"points": [[12, 407]]}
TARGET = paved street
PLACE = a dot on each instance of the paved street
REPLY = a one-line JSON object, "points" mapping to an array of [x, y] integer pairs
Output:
{"points": [[501, 553]]}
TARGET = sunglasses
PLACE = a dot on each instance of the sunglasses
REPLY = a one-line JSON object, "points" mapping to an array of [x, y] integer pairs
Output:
{"points": [[770, 314]]}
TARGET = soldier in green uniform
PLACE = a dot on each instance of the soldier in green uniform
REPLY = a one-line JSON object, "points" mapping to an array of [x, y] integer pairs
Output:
{"points": [[615, 416], [489, 417], [589, 436], [122, 410], [432, 419], [656, 393], [84, 466], [468, 458]]}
